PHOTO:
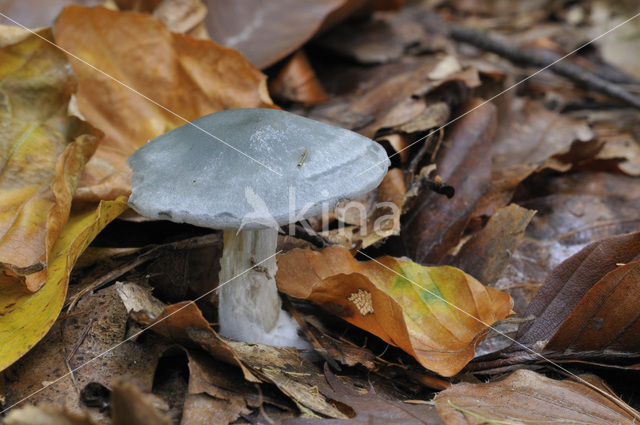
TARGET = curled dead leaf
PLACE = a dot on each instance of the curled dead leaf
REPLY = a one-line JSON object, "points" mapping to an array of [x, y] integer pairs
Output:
{"points": [[44, 151]]}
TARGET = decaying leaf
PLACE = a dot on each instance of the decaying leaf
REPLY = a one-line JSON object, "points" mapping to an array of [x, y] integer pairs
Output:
{"points": [[372, 405], [215, 396], [284, 367], [46, 415], [438, 322], [130, 406], [31, 316], [573, 210], [488, 252], [531, 138], [43, 153], [434, 226], [170, 72], [526, 397], [97, 324], [589, 301]]}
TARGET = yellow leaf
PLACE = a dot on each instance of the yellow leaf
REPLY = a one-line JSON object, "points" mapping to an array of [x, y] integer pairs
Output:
{"points": [[42, 155], [33, 315], [436, 314]]}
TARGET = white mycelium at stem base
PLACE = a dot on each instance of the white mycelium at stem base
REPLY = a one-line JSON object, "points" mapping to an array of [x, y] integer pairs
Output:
{"points": [[250, 308]]}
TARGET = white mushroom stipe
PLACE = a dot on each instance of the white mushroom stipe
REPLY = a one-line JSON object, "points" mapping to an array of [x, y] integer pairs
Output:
{"points": [[185, 175], [250, 308]]}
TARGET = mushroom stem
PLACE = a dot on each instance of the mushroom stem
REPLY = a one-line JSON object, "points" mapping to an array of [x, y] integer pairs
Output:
{"points": [[249, 304]]}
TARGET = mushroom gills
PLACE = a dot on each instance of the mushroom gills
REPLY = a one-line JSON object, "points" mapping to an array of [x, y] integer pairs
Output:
{"points": [[249, 304]]}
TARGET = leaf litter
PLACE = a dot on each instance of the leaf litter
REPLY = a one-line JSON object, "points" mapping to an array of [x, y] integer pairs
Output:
{"points": [[543, 218]]}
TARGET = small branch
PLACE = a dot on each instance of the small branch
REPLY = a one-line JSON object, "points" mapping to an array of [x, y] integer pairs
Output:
{"points": [[539, 58]]}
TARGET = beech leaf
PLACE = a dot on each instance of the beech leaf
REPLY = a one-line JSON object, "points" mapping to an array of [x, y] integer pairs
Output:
{"points": [[439, 322], [526, 397], [188, 77], [33, 315], [43, 153]]}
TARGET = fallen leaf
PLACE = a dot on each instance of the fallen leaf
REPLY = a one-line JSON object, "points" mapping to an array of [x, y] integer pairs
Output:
{"points": [[100, 327], [20, 328], [439, 323], [372, 406], [435, 224], [528, 139], [488, 252], [187, 79], [294, 375], [526, 397], [130, 406], [606, 317], [272, 31], [214, 396], [46, 415], [44, 151], [385, 37], [284, 367], [571, 300], [297, 82], [573, 210]]}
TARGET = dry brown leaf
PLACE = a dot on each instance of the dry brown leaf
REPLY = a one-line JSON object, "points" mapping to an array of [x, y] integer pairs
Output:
{"points": [[284, 367], [189, 77], [488, 252], [376, 404], [44, 151], [575, 292], [526, 397], [435, 224], [130, 406], [380, 297], [297, 82]]}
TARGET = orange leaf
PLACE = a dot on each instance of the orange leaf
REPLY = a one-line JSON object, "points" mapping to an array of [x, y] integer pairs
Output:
{"points": [[186, 78], [436, 314], [43, 153]]}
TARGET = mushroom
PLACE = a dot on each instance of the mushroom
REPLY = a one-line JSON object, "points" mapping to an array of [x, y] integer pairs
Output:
{"points": [[247, 172]]}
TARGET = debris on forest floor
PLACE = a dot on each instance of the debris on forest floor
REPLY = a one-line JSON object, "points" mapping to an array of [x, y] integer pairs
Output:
{"points": [[491, 277]]}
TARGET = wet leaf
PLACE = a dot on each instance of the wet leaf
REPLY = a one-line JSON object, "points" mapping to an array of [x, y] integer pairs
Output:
{"points": [[43, 153], [526, 397], [379, 296], [31, 316], [189, 77], [589, 301]]}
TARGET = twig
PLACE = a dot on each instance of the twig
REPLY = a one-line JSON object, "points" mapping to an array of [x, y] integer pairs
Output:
{"points": [[539, 58]]}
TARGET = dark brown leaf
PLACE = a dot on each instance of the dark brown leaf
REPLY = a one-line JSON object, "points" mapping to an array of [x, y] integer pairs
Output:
{"points": [[435, 224], [568, 284]]}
